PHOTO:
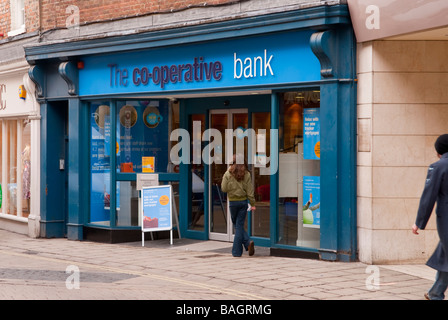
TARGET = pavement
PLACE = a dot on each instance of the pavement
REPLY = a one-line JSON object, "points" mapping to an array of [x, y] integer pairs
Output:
{"points": [[61, 269]]}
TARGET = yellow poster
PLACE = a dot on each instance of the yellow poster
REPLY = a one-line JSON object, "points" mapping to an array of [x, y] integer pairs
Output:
{"points": [[148, 164]]}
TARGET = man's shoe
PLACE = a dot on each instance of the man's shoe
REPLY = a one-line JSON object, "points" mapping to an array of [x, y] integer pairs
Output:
{"points": [[251, 248]]}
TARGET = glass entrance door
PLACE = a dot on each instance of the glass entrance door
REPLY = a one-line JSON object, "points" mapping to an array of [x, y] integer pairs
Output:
{"points": [[260, 171], [221, 227]]}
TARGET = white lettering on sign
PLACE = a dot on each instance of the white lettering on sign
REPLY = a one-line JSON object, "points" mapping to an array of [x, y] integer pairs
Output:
{"points": [[252, 67], [373, 20], [2, 102]]}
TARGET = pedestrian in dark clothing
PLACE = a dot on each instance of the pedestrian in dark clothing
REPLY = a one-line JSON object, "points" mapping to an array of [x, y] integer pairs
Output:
{"points": [[238, 185], [436, 190]]}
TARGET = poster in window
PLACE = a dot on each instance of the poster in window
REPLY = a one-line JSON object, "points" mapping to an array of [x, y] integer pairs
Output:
{"points": [[100, 163], [311, 201], [143, 134], [148, 164], [311, 134]]}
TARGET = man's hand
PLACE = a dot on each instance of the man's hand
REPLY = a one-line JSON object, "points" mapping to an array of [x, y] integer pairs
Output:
{"points": [[414, 229]]}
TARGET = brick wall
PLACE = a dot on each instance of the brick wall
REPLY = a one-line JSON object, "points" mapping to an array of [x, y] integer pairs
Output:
{"points": [[5, 18], [32, 15], [45, 15], [54, 14]]}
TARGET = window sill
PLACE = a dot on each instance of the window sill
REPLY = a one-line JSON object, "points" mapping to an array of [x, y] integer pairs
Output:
{"points": [[12, 217], [16, 32]]}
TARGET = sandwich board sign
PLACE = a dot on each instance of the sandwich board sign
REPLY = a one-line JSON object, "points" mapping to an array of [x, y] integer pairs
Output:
{"points": [[156, 210]]}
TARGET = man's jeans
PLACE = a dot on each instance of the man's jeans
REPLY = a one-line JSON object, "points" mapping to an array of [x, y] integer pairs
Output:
{"points": [[437, 292], [238, 212]]}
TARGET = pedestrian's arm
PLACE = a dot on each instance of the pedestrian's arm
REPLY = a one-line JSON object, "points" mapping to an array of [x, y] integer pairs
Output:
{"points": [[414, 229], [429, 197], [249, 189], [225, 181]]}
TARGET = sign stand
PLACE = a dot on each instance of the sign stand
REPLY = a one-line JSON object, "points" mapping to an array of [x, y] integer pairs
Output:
{"points": [[156, 206], [176, 218], [157, 210]]}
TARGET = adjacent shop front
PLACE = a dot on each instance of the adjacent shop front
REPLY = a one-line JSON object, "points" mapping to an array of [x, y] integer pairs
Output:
{"points": [[178, 103], [19, 161], [402, 108]]}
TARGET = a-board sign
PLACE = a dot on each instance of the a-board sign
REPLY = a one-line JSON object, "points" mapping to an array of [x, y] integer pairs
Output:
{"points": [[156, 208]]}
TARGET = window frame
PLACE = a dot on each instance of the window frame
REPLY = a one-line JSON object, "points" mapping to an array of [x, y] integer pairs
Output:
{"points": [[5, 157], [18, 21], [115, 176]]}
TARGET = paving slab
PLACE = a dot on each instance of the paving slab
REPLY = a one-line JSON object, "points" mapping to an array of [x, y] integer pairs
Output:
{"points": [[189, 269]]}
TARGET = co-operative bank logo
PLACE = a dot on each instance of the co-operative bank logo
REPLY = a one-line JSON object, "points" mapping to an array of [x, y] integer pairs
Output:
{"points": [[2, 100]]}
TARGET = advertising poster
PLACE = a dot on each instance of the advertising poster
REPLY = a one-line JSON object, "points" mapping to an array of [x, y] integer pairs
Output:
{"points": [[156, 208], [142, 136], [311, 134], [311, 201], [148, 164], [100, 163]]}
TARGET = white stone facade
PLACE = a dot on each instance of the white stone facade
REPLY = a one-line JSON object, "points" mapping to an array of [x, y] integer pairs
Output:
{"points": [[402, 109]]}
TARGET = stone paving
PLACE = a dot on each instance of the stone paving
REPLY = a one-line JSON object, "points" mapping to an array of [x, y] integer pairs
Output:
{"points": [[60, 269]]}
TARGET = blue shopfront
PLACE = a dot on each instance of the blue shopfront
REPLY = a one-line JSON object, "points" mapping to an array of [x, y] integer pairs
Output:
{"points": [[176, 103]]}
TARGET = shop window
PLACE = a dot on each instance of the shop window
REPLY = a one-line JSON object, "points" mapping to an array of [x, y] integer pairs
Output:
{"points": [[143, 141], [262, 191], [100, 163], [142, 146], [196, 217], [299, 169], [15, 167], [17, 9], [127, 204]]}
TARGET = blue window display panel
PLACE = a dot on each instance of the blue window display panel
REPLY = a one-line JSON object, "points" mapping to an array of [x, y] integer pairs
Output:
{"points": [[142, 131], [100, 163]]}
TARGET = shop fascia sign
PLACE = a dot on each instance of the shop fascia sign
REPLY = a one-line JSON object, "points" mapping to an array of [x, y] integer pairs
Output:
{"points": [[2, 96], [255, 61], [197, 71]]}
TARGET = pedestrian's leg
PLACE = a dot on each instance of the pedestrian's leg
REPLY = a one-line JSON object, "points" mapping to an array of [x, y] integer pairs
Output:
{"points": [[238, 242], [241, 219], [235, 209], [437, 292]]}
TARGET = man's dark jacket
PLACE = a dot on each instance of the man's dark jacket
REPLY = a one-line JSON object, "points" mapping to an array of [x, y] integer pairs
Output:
{"points": [[436, 190]]}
